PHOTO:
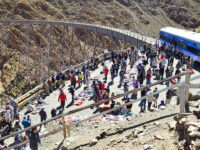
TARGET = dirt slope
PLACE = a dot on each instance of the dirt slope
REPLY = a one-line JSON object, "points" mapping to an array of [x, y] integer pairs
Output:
{"points": [[142, 15]]}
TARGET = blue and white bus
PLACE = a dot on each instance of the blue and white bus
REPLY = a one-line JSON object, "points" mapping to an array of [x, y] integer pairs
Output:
{"points": [[186, 41]]}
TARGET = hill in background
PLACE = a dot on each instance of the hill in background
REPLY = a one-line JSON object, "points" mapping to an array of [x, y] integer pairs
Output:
{"points": [[144, 16]]}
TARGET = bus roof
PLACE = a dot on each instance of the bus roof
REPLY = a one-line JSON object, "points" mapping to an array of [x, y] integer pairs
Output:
{"points": [[192, 36]]}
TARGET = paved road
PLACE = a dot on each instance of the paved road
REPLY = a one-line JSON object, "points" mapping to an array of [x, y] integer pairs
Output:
{"points": [[52, 99]]}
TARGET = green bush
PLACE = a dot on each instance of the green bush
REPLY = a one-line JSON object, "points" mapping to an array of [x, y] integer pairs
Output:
{"points": [[161, 148]]}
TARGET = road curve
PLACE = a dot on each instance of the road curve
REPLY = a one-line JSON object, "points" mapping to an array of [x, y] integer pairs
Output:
{"points": [[125, 35]]}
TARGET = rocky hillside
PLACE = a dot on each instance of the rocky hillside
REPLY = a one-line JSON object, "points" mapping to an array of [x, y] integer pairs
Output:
{"points": [[143, 16]]}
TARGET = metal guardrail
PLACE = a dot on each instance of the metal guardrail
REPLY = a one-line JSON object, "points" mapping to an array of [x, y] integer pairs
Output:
{"points": [[93, 27]]}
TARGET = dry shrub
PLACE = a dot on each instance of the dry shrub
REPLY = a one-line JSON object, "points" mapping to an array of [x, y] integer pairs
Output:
{"points": [[22, 5], [44, 6], [13, 40]]}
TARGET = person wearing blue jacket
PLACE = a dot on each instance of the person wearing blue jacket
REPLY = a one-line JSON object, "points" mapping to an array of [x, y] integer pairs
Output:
{"points": [[53, 82], [34, 139], [26, 124]]}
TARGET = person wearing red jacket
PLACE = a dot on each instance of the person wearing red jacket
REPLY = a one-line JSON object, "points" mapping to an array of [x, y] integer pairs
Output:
{"points": [[122, 54], [106, 70], [62, 98], [101, 86]]}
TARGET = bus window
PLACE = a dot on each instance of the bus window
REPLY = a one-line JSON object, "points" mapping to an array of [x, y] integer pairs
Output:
{"points": [[181, 44], [193, 50]]}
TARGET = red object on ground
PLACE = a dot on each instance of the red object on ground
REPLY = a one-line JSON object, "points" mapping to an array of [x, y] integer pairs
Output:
{"points": [[104, 108], [79, 103]]}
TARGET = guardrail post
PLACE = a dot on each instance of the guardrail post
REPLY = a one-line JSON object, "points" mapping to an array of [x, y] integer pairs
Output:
{"points": [[94, 46], [46, 88], [181, 98], [68, 131], [187, 81], [49, 50], [124, 42], [135, 40], [64, 127]]}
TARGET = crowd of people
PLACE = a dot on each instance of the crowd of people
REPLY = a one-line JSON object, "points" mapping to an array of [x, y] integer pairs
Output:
{"points": [[160, 59]]}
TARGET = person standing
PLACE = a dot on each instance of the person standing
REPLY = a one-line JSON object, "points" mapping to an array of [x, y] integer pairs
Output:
{"points": [[150, 100], [148, 77], [53, 81], [112, 71], [121, 75], [26, 124], [96, 93], [63, 78], [169, 95], [143, 102], [62, 98], [191, 63], [58, 78], [13, 103], [87, 79], [162, 68], [8, 120], [80, 76], [155, 97], [29, 119], [72, 91], [167, 75], [84, 73], [74, 81], [9, 107], [49, 83], [34, 139], [178, 72], [171, 69], [106, 70], [17, 126], [43, 115], [53, 112], [154, 65], [126, 89]]}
